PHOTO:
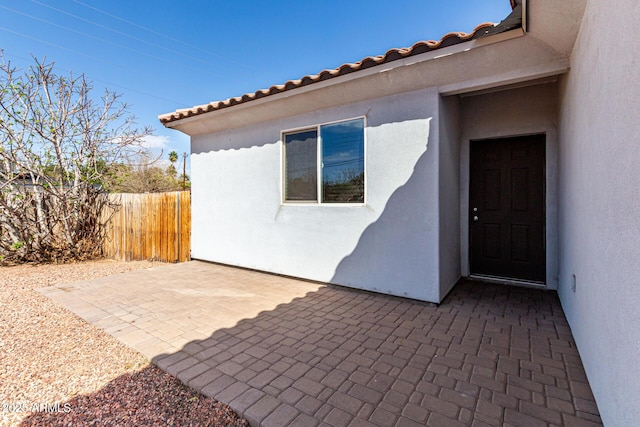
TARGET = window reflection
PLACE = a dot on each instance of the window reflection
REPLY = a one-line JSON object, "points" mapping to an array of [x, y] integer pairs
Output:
{"points": [[343, 162], [301, 154]]}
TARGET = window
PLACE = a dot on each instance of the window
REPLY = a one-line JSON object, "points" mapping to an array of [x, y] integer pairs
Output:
{"points": [[301, 154], [332, 155]]}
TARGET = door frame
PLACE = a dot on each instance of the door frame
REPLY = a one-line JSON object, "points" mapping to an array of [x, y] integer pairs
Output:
{"points": [[551, 204]]}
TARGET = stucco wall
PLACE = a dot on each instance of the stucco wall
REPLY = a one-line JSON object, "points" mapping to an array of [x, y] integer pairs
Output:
{"points": [[600, 205], [390, 245], [449, 193], [524, 111]]}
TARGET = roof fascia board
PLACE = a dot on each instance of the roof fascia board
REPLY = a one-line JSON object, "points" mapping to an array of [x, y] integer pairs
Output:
{"points": [[427, 56], [560, 66]]}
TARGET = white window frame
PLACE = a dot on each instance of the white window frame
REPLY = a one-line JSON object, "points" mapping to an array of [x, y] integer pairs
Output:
{"points": [[319, 164]]}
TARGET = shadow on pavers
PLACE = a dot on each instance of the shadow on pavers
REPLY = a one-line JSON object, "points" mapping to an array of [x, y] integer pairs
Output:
{"points": [[488, 352]]}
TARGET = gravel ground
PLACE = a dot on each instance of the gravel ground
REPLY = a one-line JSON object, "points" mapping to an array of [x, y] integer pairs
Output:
{"points": [[56, 369]]}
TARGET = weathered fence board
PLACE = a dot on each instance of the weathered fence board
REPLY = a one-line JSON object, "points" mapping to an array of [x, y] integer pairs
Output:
{"points": [[153, 226]]}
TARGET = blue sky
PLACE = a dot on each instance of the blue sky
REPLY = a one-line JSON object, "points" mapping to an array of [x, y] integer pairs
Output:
{"points": [[165, 55]]}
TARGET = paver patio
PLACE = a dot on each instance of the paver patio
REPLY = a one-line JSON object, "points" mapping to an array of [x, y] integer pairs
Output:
{"points": [[282, 351]]}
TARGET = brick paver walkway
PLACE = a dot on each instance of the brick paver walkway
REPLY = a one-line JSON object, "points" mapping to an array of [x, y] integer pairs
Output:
{"points": [[288, 352]]}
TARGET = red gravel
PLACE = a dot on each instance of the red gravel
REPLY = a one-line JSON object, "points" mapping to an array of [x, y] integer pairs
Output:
{"points": [[56, 369], [146, 397]]}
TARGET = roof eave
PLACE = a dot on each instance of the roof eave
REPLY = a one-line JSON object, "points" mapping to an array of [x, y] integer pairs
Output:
{"points": [[386, 67], [513, 21]]}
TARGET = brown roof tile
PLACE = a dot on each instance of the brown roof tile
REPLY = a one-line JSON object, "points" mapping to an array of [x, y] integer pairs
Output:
{"points": [[449, 39]]}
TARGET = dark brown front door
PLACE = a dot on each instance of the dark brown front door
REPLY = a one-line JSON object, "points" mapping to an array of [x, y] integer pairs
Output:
{"points": [[507, 217]]}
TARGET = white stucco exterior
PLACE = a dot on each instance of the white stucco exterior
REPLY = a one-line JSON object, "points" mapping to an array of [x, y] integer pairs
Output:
{"points": [[572, 77], [514, 112], [406, 239], [600, 205], [449, 188], [388, 245]]}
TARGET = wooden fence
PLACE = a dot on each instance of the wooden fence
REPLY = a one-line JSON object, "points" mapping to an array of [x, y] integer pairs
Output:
{"points": [[152, 226]]}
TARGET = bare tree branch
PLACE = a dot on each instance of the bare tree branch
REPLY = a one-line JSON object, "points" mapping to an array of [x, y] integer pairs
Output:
{"points": [[57, 144]]}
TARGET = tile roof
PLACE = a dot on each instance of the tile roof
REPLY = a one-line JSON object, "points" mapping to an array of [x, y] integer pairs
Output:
{"points": [[449, 39]]}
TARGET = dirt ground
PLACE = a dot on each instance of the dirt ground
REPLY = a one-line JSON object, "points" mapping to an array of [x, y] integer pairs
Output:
{"points": [[56, 369]]}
